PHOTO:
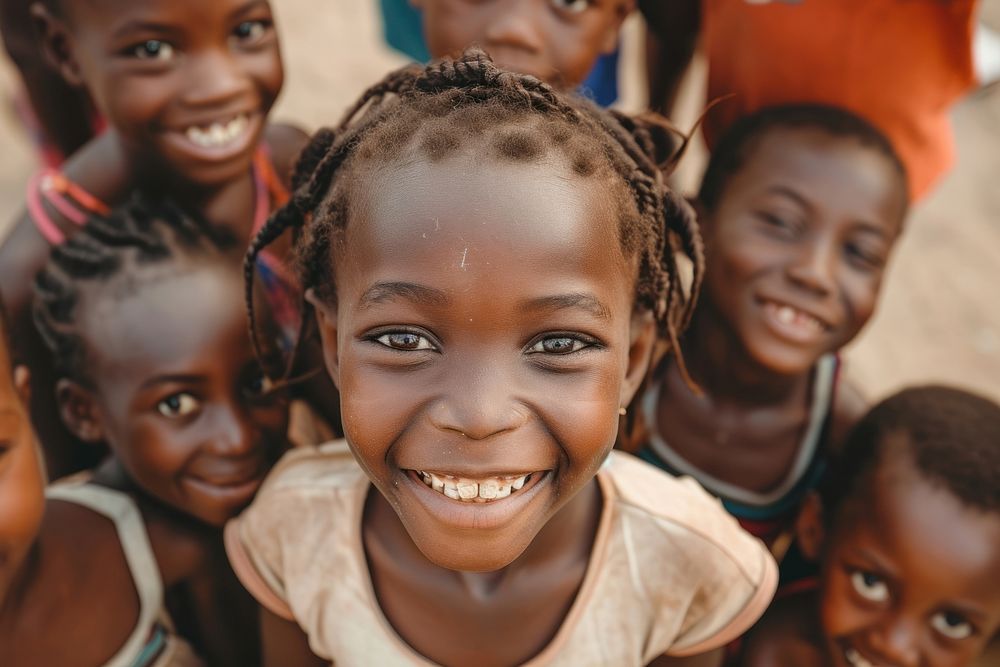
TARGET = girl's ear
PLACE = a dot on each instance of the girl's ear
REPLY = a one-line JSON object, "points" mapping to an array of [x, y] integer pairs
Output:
{"points": [[56, 43], [643, 338], [809, 527], [22, 383], [326, 321], [78, 409], [622, 10]]}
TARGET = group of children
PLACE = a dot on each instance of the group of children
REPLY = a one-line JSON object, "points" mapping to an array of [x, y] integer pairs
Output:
{"points": [[485, 283]]}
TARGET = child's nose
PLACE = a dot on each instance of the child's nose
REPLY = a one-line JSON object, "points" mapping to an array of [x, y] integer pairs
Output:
{"points": [[516, 24], [897, 641], [234, 434], [478, 407], [814, 267], [214, 77]]}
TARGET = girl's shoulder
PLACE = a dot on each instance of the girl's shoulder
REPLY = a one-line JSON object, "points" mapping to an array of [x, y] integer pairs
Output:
{"points": [[310, 503], [96, 606], [284, 142], [683, 545]]}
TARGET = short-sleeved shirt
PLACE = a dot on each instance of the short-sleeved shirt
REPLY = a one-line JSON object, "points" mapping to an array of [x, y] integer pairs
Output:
{"points": [[900, 64], [670, 571]]}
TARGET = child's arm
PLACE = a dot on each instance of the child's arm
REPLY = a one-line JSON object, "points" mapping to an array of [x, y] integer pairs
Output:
{"points": [[671, 40], [284, 644]]}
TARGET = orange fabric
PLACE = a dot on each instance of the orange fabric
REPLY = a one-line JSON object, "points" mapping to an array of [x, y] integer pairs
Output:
{"points": [[901, 64]]}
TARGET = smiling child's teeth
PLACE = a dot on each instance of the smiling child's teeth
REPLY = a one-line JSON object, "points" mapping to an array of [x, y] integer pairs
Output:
{"points": [[785, 315], [857, 659], [218, 134], [473, 491]]}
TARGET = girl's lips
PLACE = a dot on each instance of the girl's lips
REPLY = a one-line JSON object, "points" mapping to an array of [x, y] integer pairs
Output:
{"points": [[793, 324], [475, 514], [217, 141]]}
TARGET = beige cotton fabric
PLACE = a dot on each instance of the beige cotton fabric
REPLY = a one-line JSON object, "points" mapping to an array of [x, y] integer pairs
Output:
{"points": [[670, 572]]}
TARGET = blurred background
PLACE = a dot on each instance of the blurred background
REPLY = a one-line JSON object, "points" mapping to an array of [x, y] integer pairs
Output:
{"points": [[939, 319]]}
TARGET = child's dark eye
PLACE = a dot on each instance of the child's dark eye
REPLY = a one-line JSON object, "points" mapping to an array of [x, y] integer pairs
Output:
{"points": [[405, 340], [571, 6], [870, 586], [864, 257], [951, 625], [250, 31], [777, 224], [560, 345], [259, 385], [181, 404], [153, 49]]}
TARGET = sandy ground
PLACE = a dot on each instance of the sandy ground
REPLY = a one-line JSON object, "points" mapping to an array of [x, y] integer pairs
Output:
{"points": [[940, 314]]}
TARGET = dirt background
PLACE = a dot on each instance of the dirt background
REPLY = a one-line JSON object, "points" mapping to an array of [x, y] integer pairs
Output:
{"points": [[939, 319]]}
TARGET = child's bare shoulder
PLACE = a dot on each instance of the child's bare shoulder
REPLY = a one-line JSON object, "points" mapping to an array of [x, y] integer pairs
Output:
{"points": [[96, 605], [285, 143]]}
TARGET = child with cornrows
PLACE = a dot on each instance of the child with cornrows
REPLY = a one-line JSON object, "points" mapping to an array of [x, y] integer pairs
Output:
{"points": [[800, 208], [142, 314], [488, 261], [69, 578], [185, 88], [907, 532]]}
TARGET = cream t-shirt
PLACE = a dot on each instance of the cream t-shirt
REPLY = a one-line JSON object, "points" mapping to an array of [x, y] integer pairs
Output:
{"points": [[670, 572]]}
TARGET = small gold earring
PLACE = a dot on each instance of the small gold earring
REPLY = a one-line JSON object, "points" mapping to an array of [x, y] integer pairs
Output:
{"points": [[622, 411]]}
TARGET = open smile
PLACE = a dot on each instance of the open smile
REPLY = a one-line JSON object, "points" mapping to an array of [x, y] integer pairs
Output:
{"points": [[793, 323], [474, 490], [218, 139], [855, 658], [476, 503]]}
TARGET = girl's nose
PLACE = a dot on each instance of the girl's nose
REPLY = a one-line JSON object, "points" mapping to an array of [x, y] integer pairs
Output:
{"points": [[213, 77], [516, 26], [479, 406], [898, 642], [814, 267], [233, 433]]}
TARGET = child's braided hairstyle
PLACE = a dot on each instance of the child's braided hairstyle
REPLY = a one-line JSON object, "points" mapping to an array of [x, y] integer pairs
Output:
{"points": [[437, 108], [139, 232]]}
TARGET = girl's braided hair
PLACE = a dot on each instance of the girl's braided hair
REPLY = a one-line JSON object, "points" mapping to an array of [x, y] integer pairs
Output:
{"points": [[140, 232], [434, 109]]}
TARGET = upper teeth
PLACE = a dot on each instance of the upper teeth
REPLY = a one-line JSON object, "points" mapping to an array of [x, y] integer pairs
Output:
{"points": [[461, 488], [218, 134], [791, 316], [857, 659]]}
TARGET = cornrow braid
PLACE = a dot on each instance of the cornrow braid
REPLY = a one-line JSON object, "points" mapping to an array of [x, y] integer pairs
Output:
{"points": [[439, 106], [140, 231]]}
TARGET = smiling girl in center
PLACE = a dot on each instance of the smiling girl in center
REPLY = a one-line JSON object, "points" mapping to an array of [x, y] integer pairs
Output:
{"points": [[485, 258]]}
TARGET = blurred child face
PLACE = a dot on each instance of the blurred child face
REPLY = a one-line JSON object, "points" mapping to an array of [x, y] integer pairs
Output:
{"points": [[798, 243], [557, 41], [22, 480], [187, 83], [482, 344], [911, 576], [178, 394]]}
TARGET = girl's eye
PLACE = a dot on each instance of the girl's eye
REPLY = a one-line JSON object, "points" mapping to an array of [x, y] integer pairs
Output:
{"points": [[863, 256], [153, 49], [951, 625], [249, 31], [405, 340], [259, 385], [778, 224], [559, 345], [870, 586], [178, 405], [571, 6]]}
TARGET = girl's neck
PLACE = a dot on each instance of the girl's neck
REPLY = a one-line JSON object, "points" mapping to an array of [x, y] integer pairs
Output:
{"points": [[721, 365], [21, 585]]}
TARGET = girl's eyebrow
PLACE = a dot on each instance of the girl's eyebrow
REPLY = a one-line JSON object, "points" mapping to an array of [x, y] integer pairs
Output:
{"points": [[177, 378], [578, 300], [249, 6], [138, 25], [387, 291]]}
